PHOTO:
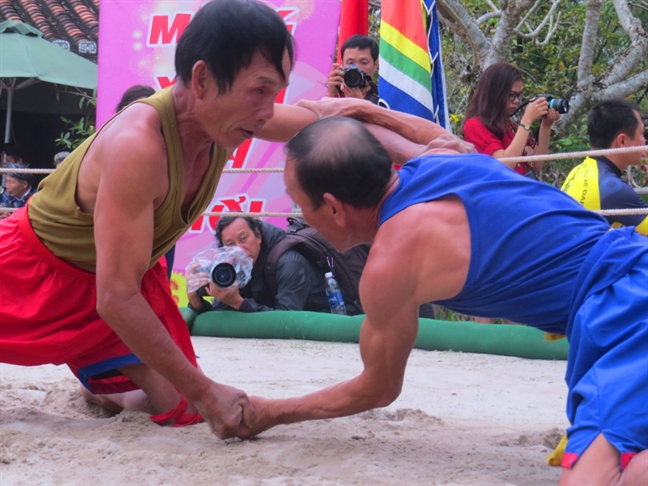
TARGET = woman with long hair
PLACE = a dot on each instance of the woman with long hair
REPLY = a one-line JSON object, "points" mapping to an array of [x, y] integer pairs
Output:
{"points": [[488, 124]]}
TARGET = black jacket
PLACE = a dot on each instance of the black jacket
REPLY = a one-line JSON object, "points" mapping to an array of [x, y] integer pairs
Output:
{"points": [[300, 284]]}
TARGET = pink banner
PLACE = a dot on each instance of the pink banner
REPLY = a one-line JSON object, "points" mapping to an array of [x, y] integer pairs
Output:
{"points": [[137, 46]]}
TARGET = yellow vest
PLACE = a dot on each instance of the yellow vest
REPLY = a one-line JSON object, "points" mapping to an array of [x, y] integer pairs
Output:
{"points": [[582, 184], [68, 232]]}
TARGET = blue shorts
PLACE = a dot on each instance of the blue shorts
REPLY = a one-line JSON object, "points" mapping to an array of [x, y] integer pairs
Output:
{"points": [[607, 371]]}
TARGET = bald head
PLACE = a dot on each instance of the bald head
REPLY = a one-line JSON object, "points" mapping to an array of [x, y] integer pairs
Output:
{"points": [[341, 157]]}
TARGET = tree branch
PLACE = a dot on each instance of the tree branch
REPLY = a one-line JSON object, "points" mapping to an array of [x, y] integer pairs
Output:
{"points": [[547, 19], [455, 16], [636, 53], [501, 44], [487, 16], [552, 30], [590, 31], [625, 88]]}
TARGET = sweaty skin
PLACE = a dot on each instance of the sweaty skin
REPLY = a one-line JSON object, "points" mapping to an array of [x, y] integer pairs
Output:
{"points": [[400, 268], [407, 129], [122, 180]]}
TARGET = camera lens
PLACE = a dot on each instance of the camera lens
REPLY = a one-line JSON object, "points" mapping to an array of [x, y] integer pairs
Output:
{"points": [[223, 274], [561, 105], [354, 78]]}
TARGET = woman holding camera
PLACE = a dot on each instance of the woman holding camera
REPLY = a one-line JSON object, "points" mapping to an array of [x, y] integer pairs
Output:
{"points": [[490, 128]]}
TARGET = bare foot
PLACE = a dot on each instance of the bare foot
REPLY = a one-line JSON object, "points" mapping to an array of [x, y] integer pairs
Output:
{"points": [[100, 400]]}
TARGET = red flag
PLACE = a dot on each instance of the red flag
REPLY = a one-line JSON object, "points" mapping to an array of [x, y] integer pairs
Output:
{"points": [[354, 19]]}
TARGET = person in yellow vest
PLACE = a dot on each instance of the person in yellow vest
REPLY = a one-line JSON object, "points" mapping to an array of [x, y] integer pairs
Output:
{"points": [[596, 183]]}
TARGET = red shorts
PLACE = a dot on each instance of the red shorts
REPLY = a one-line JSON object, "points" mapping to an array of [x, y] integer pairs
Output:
{"points": [[48, 312]]}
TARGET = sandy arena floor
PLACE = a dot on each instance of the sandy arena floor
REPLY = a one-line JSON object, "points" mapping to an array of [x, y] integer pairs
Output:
{"points": [[465, 419]]}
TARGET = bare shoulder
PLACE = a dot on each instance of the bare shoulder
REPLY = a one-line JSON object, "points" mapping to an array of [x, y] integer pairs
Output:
{"points": [[424, 249], [135, 132], [129, 152]]}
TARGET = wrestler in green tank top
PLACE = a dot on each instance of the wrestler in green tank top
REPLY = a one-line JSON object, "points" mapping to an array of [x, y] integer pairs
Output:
{"points": [[68, 232]]}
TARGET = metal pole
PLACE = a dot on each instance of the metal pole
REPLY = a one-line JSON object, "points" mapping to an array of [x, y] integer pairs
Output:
{"points": [[10, 93]]}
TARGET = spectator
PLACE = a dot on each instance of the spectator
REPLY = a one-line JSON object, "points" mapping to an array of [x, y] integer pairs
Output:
{"points": [[134, 93], [16, 190], [13, 154], [59, 158], [488, 124], [300, 283], [596, 183], [361, 51]]}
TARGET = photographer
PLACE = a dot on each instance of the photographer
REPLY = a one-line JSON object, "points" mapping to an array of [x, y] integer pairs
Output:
{"points": [[488, 124], [300, 285], [359, 52]]}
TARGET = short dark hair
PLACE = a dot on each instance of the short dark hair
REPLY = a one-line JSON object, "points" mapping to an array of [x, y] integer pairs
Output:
{"points": [[254, 224], [21, 176], [489, 100], [134, 93], [13, 150], [340, 156], [226, 34], [361, 42], [609, 118]]}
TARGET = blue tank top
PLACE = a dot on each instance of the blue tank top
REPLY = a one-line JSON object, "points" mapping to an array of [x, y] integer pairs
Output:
{"points": [[535, 252]]}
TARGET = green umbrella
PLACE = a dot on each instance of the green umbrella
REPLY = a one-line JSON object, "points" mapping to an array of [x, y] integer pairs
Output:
{"points": [[26, 58]]}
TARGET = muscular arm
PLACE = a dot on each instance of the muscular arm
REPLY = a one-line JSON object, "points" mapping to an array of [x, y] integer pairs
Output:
{"points": [[387, 337], [413, 128], [288, 120], [132, 179], [401, 273], [128, 187]]}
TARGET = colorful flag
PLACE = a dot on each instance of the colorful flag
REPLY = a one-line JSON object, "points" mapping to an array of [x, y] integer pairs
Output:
{"points": [[411, 72], [354, 19]]}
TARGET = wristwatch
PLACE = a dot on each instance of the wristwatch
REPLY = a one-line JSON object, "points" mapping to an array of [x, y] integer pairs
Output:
{"points": [[525, 126]]}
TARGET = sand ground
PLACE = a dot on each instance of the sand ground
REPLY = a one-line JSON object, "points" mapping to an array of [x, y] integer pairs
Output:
{"points": [[465, 419]]}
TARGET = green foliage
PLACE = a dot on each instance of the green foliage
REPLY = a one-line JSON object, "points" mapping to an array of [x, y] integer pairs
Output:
{"points": [[552, 68], [77, 131]]}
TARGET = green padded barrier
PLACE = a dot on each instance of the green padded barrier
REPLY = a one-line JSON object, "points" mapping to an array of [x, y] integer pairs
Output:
{"points": [[469, 337]]}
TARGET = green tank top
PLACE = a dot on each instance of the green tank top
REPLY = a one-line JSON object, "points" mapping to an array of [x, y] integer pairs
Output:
{"points": [[68, 232]]}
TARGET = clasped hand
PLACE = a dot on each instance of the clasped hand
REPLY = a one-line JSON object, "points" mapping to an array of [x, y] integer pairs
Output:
{"points": [[231, 413]]}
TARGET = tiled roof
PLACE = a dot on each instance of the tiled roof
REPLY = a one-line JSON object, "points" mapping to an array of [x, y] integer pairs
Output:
{"points": [[72, 24]]}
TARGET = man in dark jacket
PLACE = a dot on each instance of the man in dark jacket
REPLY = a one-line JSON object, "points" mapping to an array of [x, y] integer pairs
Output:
{"points": [[300, 283]]}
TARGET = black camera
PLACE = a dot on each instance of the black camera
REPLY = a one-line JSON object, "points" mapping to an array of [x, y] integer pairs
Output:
{"points": [[223, 274], [354, 77], [561, 105]]}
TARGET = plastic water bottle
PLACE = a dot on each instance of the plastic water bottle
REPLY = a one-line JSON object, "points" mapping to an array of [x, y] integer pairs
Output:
{"points": [[336, 302]]}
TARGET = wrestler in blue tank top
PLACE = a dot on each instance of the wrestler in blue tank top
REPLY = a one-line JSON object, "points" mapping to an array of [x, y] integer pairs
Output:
{"points": [[535, 252]]}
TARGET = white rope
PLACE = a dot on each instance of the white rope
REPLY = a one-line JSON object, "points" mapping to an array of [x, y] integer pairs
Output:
{"points": [[529, 158], [575, 155], [532, 158], [602, 212], [26, 171], [621, 212]]}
